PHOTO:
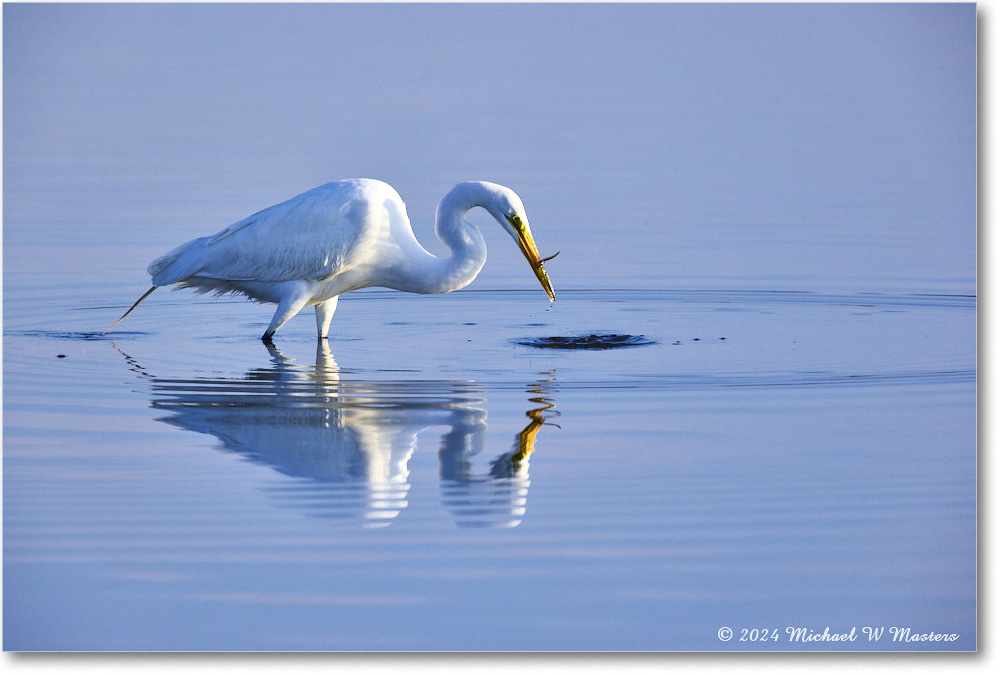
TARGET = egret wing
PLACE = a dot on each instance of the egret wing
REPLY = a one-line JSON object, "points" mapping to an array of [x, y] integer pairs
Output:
{"points": [[313, 236], [310, 237]]}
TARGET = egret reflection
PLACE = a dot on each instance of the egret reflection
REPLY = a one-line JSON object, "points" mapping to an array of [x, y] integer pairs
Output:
{"points": [[345, 445]]}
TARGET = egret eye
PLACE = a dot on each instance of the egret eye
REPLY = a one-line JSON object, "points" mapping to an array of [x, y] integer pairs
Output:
{"points": [[516, 219]]}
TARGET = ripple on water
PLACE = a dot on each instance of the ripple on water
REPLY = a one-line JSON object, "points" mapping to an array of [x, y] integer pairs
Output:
{"points": [[74, 335], [592, 341]]}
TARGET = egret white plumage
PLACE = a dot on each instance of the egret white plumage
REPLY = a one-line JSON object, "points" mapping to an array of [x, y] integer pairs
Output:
{"points": [[340, 237]]}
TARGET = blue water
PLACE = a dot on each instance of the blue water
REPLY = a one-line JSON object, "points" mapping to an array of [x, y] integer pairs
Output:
{"points": [[780, 199]]}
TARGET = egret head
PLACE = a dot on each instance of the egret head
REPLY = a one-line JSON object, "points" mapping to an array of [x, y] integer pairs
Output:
{"points": [[507, 208]]}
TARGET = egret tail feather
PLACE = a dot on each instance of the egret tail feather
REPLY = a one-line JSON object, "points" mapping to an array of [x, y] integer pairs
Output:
{"points": [[144, 296]]}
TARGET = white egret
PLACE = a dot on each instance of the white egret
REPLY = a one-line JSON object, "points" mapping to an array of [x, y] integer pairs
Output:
{"points": [[340, 237]]}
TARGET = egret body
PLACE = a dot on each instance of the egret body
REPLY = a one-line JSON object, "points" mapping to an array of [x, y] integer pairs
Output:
{"points": [[340, 237]]}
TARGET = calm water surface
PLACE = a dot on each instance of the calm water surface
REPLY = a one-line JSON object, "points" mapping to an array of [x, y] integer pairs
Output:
{"points": [[182, 486], [791, 223]]}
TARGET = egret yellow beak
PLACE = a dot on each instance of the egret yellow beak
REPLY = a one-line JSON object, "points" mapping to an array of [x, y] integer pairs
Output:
{"points": [[527, 245]]}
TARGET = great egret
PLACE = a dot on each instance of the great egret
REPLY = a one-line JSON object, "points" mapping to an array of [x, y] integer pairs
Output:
{"points": [[340, 237]]}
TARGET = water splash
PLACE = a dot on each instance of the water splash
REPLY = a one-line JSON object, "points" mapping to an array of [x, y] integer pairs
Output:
{"points": [[592, 341]]}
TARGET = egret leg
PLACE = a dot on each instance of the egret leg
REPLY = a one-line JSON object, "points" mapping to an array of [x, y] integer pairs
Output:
{"points": [[324, 315], [287, 308]]}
